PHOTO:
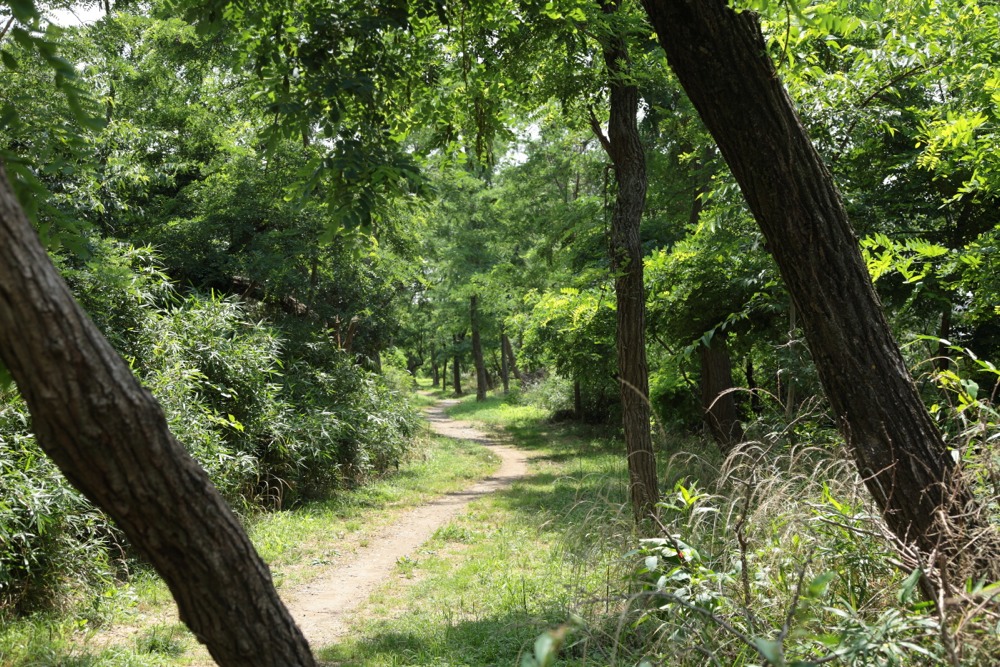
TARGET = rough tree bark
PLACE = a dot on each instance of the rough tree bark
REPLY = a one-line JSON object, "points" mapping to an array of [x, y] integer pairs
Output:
{"points": [[482, 380], [110, 439], [721, 60], [717, 398], [624, 147]]}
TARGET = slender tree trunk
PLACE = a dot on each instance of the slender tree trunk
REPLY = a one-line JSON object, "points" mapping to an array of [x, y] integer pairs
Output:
{"points": [[720, 58], [456, 368], [504, 370], [444, 373], [482, 381], [717, 398], [626, 152], [511, 360], [109, 437]]}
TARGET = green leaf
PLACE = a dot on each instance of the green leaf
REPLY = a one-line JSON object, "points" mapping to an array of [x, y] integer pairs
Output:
{"points": [[908, 589], [770, 650], [819, 586], [23, 10], [9, 61], [545, 647]]}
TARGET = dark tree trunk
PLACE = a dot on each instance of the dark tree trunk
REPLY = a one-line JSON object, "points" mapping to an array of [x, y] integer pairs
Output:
{"points": [[628, 157], [511, 360], [482, 381], [504, 370], [109, 437], [444, 373], [435, 371], [721, 60], [718, 400], [456, 368]]}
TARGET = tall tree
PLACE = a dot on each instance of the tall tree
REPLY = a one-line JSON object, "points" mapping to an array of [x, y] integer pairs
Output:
{"points": [[721, 60], [477, 349], [110, 438], [624, 147]]}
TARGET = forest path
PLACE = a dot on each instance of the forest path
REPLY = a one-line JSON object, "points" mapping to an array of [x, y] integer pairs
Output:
{"points": [[323, 606]]}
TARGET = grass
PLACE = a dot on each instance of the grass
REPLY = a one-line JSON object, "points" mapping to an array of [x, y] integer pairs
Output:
{"points": [[131, 625]]}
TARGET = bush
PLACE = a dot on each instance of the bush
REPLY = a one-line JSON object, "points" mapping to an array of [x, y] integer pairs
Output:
{"points": [[52, 540]]}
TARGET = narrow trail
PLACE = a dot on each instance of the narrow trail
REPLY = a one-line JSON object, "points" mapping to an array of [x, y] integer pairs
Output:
{"points": [[323, 606]]}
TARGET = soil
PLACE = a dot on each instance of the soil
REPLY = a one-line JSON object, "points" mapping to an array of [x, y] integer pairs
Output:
{"points": [[323, 606]]}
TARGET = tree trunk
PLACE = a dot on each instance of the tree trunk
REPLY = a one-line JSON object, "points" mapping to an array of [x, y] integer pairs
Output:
{"points": [[482, 381], [511, 360], [435, 370], [717, 398], [504, 371], [720, 58], [456, 368], [444, 373], [628, 157], [109, 437]]}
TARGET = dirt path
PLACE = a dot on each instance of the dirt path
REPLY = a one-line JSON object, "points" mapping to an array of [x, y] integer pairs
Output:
{"points": [[322, 606]]}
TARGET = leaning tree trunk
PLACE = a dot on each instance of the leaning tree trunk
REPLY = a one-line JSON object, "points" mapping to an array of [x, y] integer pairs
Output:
{"points": [[482, 380], [718, 400], [628, 157], [110, 439], [721, 60]]}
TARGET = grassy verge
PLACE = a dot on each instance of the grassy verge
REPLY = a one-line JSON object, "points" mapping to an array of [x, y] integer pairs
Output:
{"points": [[134, 625]]}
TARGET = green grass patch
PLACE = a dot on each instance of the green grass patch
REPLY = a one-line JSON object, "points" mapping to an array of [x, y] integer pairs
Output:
{"points": [[519, 420]]}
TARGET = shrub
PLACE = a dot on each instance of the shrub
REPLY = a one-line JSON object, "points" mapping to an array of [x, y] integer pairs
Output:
{"points": [[52, 540]]}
